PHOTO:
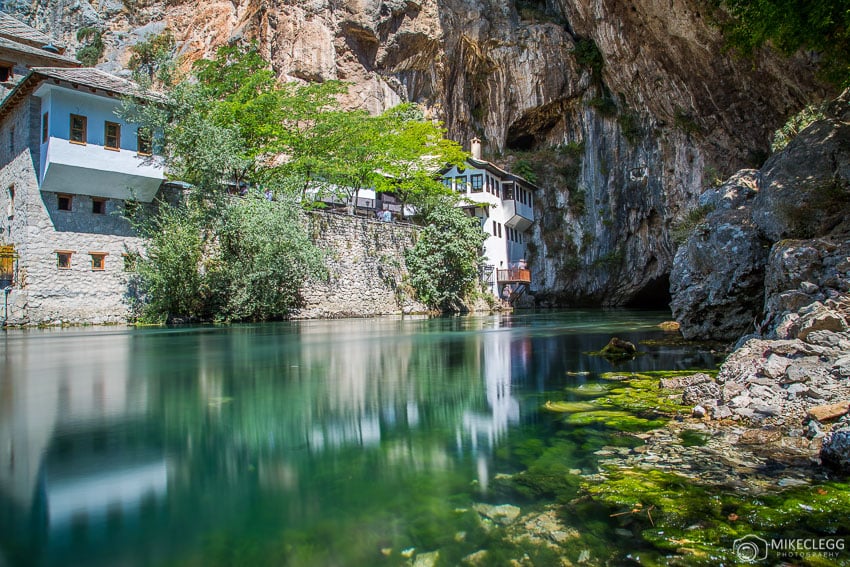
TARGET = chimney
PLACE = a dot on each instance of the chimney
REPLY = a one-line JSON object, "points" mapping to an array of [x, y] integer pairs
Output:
{"points": [[475, 147]]}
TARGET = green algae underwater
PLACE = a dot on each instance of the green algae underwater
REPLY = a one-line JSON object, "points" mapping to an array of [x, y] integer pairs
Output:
{"points": [[668, 517]]}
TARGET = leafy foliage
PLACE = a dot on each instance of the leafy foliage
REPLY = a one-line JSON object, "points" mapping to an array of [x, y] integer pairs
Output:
{"points": [[525, 169], [819, 25], [153, 57], [796, 124], [263, 258], [247, 263], [93, 47], [171, 269], [232, 126], [445, 261], [589, 56]]}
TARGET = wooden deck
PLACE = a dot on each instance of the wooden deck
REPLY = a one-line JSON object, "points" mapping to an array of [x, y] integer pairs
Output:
{"points": [[513, 275]]}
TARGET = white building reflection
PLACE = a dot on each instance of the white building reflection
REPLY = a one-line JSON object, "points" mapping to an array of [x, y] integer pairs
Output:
{"points": [[69, 455]]}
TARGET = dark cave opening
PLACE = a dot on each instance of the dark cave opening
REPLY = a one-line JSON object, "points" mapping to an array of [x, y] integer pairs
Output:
{"points": [[654, 295], [523, 142]]}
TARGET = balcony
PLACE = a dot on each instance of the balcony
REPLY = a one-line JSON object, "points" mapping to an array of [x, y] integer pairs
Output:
{"points": [[88, 169], [519, 216], [513, 275]]}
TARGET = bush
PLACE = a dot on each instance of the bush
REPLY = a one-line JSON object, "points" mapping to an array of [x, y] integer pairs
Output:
{"points": [[265, 255], [93, 47], [589, 56], [683, 229], [444, 263], [170, 272], [246, 263], [796, 124]]}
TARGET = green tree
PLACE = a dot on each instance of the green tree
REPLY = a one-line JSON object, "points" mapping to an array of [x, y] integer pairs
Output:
{"points": [[170, 271], [444, 264], [92, 46], [417, 149], [264, 257], [153, 57], [788, 25]]}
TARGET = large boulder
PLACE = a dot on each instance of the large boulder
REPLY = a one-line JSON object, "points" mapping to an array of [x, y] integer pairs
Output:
{"points": [[718, 284], [717, 278], [805, 188], [800, 274]]}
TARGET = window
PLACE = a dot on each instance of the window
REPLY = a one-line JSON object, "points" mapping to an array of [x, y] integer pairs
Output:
{"points": [[63, 259], [78, 129], [98, 261], [130, 260], [44, 127], [460, 183], [10, 205], [495, 232], [144, 142], [447, 181], [64, 202], [500, 229], [508, 191], [477, 182], [5, 73], [112, 136], [98, 206]]}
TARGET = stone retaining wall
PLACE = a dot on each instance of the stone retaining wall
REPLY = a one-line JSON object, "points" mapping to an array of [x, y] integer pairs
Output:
{"points": [[365, 260]]}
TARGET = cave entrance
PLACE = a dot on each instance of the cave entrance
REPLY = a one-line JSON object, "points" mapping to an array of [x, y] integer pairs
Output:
{"points": [[523, 142], [654, 295]]}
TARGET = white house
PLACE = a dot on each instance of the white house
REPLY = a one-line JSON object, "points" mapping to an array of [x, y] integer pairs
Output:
{"points": [[504, 202], [69, 168]]}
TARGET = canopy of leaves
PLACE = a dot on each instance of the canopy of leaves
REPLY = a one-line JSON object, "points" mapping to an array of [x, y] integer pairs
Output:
{"points": [[232, 125], [444, 263], [153, 57], [248, 263], [788, 25]]}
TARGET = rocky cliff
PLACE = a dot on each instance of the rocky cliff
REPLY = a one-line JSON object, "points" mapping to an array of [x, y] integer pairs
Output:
{"points": [[621, 109]]}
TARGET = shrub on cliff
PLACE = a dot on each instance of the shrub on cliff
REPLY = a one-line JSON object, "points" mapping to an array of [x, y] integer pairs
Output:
{"points": [[444, 263]]}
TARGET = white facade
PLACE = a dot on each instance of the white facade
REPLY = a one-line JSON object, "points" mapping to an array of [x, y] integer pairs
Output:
{"points": [[504, 203]]}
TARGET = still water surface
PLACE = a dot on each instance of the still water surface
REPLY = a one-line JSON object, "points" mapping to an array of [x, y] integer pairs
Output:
{"points": [[306, 443]]}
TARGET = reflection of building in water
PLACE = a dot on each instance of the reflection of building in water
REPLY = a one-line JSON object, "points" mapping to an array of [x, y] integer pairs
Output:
{"points": [[503, 409], [484, 429], [69, 435], [363, 380]]}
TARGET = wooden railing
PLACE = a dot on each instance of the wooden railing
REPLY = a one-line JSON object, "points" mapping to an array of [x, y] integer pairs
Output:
{"points": [[514, 275]]}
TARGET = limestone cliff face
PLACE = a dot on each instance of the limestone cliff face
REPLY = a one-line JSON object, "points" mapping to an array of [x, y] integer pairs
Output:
{"points": [[623, 108]]}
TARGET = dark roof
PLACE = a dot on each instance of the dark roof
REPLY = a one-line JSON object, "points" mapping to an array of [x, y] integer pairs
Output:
{"points": [[43, 55], [16, 30], [496, 170], [93, 79]]}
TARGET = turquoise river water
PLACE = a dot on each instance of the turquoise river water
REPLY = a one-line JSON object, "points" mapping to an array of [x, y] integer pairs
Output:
{"points": [[318, 443]]}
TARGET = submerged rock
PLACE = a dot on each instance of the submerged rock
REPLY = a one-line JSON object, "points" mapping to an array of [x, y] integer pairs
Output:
{"points": [[505, 514], [618, 348]]}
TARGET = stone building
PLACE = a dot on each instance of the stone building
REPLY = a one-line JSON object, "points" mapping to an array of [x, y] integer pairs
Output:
{"points": [[69, 169]]}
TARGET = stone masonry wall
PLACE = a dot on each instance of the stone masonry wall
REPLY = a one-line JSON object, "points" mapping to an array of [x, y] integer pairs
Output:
{"points": [[365, 260], [44, 293]]}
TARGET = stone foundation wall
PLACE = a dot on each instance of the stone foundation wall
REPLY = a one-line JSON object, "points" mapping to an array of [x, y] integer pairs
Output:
{"points": [[365, 261]]}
